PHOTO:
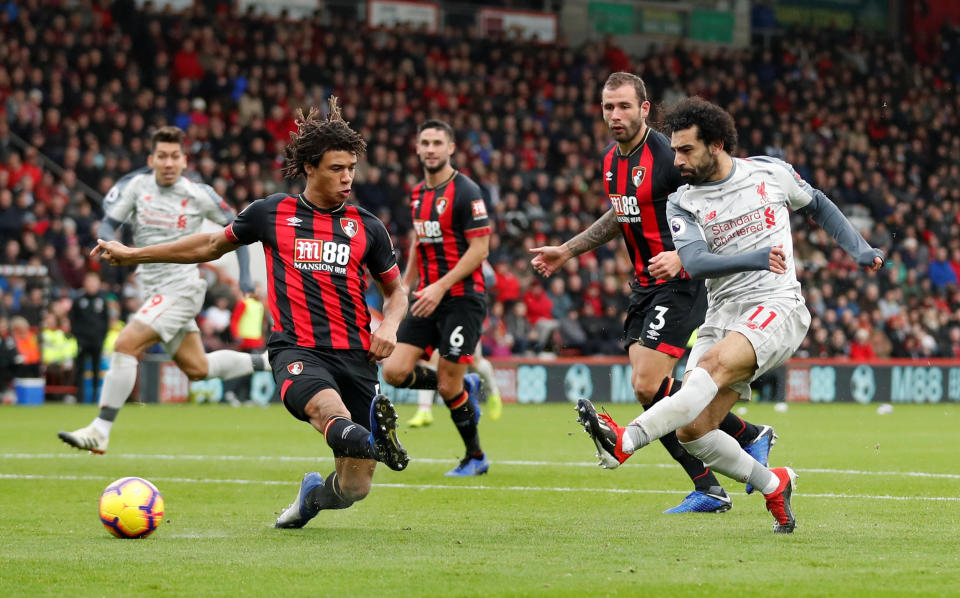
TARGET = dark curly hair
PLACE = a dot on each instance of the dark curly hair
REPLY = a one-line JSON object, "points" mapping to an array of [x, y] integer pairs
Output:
{"points": [[713, 122], [316, 136]]}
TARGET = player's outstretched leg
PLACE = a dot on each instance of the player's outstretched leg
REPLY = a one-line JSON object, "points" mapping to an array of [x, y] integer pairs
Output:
{"points": [[708, 495], [383, 434], [778, 501], [605, 433]]}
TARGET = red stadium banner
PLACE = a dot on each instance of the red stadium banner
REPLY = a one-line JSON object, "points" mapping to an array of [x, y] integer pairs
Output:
{"points": [[524, 24]]}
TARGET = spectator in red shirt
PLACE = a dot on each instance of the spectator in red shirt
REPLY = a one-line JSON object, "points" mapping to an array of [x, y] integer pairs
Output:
{"points": [[860, 348], [507, 288], [186, 63], [539, 305]]}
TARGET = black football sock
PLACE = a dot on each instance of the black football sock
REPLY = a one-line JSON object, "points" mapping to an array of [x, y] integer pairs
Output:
{"points": [[108, 413], [328, 494], [464, 417], [421, 377], [703, 479], [743, 431], [348, 439]]}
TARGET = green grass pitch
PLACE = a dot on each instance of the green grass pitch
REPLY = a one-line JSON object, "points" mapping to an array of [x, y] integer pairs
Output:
{"points": [[878, 506]]}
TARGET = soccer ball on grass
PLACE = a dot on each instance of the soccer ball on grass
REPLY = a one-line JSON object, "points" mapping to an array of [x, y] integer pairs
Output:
{"points": [[131, 508]]}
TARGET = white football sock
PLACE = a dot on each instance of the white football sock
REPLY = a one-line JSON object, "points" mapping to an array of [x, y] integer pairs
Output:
{"points": [[722, 453], [228, 364], [485, 369], [103, 426], [119, 380], [425, 399], [677, 410]]}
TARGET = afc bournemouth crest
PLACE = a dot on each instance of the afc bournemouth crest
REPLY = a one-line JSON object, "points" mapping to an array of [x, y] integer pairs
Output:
{"points": [[295, 368], [349, 226], [637, 175], [441, 205]]}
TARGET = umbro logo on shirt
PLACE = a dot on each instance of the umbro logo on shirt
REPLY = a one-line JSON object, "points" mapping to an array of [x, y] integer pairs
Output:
{"points": [[293, 221]]}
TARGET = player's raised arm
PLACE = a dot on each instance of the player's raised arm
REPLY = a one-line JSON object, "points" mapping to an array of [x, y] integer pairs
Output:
{"points": [[201, 247], [812, 202], [551, 258]]}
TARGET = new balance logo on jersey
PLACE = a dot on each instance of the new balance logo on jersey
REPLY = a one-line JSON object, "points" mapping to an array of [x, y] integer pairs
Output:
{"points": [[710, 216], [323, 256], [626, 207], [428, 231]]}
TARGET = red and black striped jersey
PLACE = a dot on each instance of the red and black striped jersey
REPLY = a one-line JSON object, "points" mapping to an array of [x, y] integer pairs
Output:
{"points": [[638, 185], [445, 218], [316, 268]]}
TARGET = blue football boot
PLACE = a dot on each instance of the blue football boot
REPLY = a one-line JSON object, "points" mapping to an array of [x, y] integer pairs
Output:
{"points": [[715, 500], [301, 511], [760, 448], [475, 393], [470, 466]]}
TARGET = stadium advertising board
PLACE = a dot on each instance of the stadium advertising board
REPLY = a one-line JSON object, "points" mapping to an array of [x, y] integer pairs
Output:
{"points": [[523, 24], [389, 13], [607, 379], [839, 14], [880, 381]]}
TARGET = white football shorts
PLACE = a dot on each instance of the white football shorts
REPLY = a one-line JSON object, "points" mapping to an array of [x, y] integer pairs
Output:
{"points": [[775, 327], [173, 314]]}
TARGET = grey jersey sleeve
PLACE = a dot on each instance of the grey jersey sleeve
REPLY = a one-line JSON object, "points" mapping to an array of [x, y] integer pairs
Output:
{"points": [[810, 201], [216, 209], [695, 255], [118, 204]]}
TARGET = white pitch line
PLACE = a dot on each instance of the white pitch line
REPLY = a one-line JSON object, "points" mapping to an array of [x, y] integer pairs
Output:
{"points": [[517, 463], [13, 476]]}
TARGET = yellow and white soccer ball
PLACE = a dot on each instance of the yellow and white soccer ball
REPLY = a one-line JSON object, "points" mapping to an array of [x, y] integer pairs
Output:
{"points": [[131, 508]]}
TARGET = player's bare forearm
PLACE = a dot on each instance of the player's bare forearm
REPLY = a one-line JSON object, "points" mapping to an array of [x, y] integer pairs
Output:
{"points": [[194, 249], [412, 273], [601, 232], [472, 259], [395, 302]]}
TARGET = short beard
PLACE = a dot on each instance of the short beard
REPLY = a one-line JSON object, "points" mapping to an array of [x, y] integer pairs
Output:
{"points": [[703, 173], [629, 133], [434, 169]]}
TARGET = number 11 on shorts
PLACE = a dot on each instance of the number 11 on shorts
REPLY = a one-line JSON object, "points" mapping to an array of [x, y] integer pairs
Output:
{"points": [[765, 321]]}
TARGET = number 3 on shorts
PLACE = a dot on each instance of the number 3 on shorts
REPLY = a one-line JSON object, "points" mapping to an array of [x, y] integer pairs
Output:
{"points": [[456, 339], [659, 322]]}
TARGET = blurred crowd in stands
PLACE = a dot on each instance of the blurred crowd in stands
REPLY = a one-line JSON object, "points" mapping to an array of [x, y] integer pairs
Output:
{"points": [[871, 121]]}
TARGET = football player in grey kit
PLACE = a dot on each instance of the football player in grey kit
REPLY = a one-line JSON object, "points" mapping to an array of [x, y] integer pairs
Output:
{"points": [[731, 225], [164, 206]]}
